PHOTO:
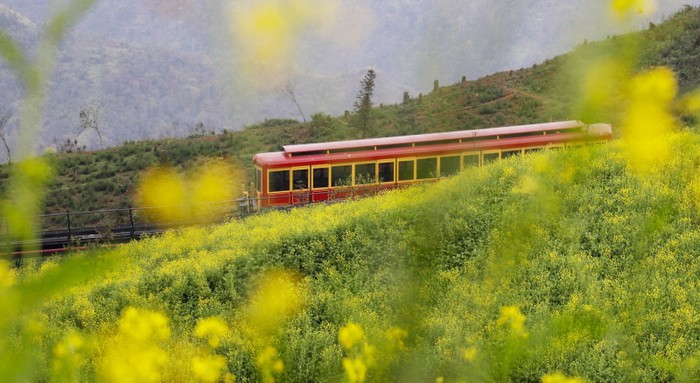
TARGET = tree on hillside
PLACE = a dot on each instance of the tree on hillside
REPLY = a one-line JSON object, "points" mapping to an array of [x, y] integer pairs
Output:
{"points": [[4, 127], [363, 103], [88, 119]]}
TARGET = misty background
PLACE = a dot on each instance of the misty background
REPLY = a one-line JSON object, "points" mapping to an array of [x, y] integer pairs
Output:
{"points": [[160, 68]]}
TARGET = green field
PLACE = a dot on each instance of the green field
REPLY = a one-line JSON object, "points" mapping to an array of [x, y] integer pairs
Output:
{"points": [[561, 266], [561, 262]]}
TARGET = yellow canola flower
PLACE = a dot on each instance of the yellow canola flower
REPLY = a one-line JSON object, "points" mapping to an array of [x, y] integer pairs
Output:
{"points": [[350, 335], [209, 368], [512, 318], [68, 355], [213, 191], [163, 190], [355, 369], [134, 354], [268, 34], [624, 8], [396, 336], [277, 297], [269, 364], [7, 275], [648, 123], [205, 197], [144, 325], [212, 329], [558, 377], [470, 354]]}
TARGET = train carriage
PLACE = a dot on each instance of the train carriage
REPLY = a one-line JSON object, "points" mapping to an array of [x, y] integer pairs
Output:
{"points": [[333, 170]]}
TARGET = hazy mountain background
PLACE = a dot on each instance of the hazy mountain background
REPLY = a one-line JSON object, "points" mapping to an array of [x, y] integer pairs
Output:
{"points": [[157, 68]]}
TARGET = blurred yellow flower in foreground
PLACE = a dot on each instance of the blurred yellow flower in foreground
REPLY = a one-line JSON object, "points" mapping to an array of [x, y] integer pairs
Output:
{"points": [[350, 335], [558, 377], [648, 123], [625, 8], [355, 369], [171, 198], [134, 354], [512, 318], [278, 296], [212, 329], [269, 364], [208, 368]]}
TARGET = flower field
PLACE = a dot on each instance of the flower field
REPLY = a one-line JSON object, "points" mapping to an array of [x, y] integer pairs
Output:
{"points": [[553, 267]]}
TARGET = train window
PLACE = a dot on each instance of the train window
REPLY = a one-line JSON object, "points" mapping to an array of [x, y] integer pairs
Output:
{"points": [[320, 178], [510, 153], [471, 160], [426, 168], [490, 157], [258, 180], [365, 174], [449, 166], [386, 172], [300, 179], [406, 170], [341, 175], [279, 181]]}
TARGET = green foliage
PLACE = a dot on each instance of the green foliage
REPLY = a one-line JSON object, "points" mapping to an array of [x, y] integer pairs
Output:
{"points": [[363, 104]]}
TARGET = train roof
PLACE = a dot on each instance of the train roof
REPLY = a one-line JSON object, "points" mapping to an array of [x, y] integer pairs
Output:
{"points": [[341, 148]]}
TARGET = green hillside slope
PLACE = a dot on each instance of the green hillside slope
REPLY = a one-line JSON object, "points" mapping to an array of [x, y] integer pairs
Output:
{"points": [[564, 261], [547, 92]]}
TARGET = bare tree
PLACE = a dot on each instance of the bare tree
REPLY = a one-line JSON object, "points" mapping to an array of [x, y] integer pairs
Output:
{"points": [[4, 131], [89, 119], [290, 92]]}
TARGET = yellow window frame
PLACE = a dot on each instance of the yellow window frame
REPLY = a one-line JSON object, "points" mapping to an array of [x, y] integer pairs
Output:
{"points": [[354, 173], [269, 171], [470, 154], [437, 168], [308, 177], [314, 167], [405, 159], [485, 152], [391, 161]]}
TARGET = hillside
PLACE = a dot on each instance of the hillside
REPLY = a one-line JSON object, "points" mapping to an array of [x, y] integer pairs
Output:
{"points": [[158, 68], [545, 92], [561, 262]]}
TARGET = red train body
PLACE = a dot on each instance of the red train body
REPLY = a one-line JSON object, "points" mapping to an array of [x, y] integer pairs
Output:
{"points": [[324, 171]]}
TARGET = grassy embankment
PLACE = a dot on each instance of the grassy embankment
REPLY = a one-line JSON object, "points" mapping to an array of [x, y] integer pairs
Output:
{"points": [[558, 262]]}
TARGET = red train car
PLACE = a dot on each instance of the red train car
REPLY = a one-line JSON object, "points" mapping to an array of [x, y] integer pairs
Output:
{"points": [[322, 171]]}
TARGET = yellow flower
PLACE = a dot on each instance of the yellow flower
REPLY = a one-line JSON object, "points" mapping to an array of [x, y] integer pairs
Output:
{"points": [[514, 320], [623, 8], [270, 364], [558, 377], [212, 329], [469, 354], [7, 275], [350, 335], [277, 297], [397, 336], [648, 123], [355, 369], [134, 355], [208, 368], [144, 325]]}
